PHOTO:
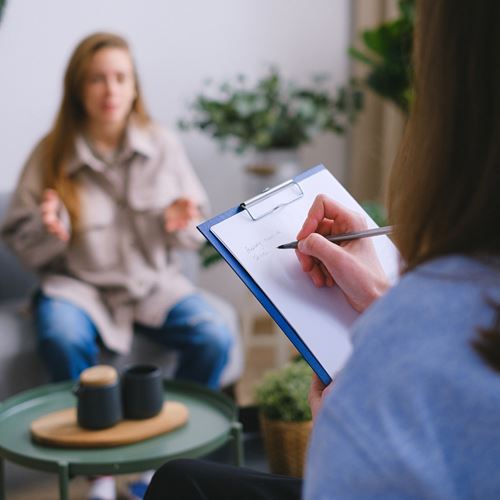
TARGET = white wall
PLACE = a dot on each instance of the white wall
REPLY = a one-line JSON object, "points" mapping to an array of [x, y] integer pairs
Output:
{"points": [[177, 44]]}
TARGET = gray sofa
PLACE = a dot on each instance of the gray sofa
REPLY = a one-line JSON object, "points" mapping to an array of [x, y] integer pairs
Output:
{"points": [[20, 367]]}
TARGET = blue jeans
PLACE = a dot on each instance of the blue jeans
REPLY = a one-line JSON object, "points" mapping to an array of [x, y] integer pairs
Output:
{"points": [[68, 339]]}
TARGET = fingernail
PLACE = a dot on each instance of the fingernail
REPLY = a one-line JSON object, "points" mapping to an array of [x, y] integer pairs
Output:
{"points": [[300, 245]]}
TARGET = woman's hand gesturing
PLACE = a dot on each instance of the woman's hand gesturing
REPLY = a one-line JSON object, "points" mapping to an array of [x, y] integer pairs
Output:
{"points": [[50, 206], [180, 213]]}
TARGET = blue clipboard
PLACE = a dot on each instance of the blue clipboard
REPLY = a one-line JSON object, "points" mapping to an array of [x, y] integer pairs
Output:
{"points": [[259, 294]]}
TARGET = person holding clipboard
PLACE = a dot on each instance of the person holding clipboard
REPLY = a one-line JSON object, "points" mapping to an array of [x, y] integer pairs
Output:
{"points": [[414, 412]]}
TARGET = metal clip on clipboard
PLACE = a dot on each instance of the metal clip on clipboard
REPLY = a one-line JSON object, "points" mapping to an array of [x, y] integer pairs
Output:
{"points": [[272, 199]]}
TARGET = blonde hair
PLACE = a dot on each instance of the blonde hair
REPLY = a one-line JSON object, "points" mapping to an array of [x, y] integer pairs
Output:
{"points": [[58, 145]]}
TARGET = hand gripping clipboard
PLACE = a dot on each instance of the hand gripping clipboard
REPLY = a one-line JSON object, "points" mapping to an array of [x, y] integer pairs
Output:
{"points": [[283, 205]]}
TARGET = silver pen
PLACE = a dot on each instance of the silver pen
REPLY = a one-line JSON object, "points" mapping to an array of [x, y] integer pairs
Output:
{"points": [[354, 235]]}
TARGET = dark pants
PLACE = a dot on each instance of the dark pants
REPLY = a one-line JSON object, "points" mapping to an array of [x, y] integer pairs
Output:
{"points": [[202, 480]]}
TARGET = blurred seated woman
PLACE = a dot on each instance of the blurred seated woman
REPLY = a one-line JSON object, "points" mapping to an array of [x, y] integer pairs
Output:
{"points": [[103, 200]]}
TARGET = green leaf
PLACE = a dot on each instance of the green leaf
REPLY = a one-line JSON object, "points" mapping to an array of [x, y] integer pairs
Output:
{"points": [[356, 54], [376, 211], [208, 254]]}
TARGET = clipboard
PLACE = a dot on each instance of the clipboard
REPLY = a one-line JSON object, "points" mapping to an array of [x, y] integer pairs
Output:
{"points": [[261, 209]]}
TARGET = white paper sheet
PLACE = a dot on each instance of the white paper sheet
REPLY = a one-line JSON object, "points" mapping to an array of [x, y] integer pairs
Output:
{"points": [[320, 316]]}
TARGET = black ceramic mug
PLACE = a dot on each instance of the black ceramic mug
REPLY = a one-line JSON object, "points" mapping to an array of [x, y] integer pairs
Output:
{"points": [[142, 392], [98, 393]]}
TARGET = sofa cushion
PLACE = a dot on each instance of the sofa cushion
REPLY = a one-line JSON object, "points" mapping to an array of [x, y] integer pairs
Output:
{"points": [[16, 282]]}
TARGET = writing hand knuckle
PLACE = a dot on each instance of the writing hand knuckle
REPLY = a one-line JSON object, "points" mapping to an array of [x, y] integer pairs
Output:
{"points": [[359, 220]]}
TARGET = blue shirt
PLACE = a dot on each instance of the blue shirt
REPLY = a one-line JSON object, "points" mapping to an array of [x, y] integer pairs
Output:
{"points": [[416, 411]]}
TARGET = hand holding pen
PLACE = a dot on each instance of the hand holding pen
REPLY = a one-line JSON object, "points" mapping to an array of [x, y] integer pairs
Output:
{"points": [[354, 266]]}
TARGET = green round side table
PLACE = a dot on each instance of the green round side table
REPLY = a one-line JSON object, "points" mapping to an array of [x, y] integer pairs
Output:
{"points": [[212, 423]]}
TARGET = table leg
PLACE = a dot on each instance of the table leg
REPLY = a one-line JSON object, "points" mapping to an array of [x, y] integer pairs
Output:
{"points": [[237, 433], [63, 481], [2, 479]]}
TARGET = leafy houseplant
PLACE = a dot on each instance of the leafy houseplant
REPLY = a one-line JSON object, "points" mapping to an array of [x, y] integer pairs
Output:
{"points": [[387, 52], [388, 55], [285, 416], [282, 394], [272, 114]]}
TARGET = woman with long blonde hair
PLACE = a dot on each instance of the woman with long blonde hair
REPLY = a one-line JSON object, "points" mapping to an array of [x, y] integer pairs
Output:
{"points": [[102, 203]]}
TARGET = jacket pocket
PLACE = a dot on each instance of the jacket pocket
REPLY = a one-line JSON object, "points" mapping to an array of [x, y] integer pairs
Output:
{"points": [[95, 245], [94, 249]]}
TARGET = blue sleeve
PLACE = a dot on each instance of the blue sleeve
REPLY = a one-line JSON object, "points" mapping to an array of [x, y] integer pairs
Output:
{"points": [[414, 412], [378, 433], [343, 461]]}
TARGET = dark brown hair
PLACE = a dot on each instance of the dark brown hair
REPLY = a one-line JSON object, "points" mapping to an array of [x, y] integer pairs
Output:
{"points": [[58, 146], [445, 185]]}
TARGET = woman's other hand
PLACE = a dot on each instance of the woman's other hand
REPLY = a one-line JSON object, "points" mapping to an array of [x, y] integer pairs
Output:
{"points": [[317, 391], [50, 206], [180, 213], [352, 265]]}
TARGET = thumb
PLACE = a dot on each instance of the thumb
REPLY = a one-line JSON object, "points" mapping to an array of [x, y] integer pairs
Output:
{"points": [[332, 256], [48, 195], [51, 197], [316, 384]]}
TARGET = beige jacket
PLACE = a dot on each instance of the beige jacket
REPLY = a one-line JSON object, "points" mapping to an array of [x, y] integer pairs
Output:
{"points": [[119, 266]]}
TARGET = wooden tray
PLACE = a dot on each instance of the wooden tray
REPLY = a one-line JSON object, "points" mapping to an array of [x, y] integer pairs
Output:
{"points": [[60, 428]]}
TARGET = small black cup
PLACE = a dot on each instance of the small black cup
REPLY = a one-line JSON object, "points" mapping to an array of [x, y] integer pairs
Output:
{"points": [[142, 392], [98, 407]]}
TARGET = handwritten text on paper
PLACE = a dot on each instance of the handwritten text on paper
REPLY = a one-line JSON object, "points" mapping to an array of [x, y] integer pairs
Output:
{"points": [[262, 248]]}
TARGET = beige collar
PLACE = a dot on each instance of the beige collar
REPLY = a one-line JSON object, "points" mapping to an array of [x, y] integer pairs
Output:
{"points": [[137, 140]]}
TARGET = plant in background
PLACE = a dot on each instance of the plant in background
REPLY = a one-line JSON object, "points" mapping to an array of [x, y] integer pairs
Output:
{"points": [[389, 48], [272, 114], [208, 254], [376, 211], [2, 5], [285, 417], [282, 394]]}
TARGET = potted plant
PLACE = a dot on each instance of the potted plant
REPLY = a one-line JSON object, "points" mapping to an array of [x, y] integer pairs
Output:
{"points": [[387, 52], [272, 118], [285, 416], [272, 114]]}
